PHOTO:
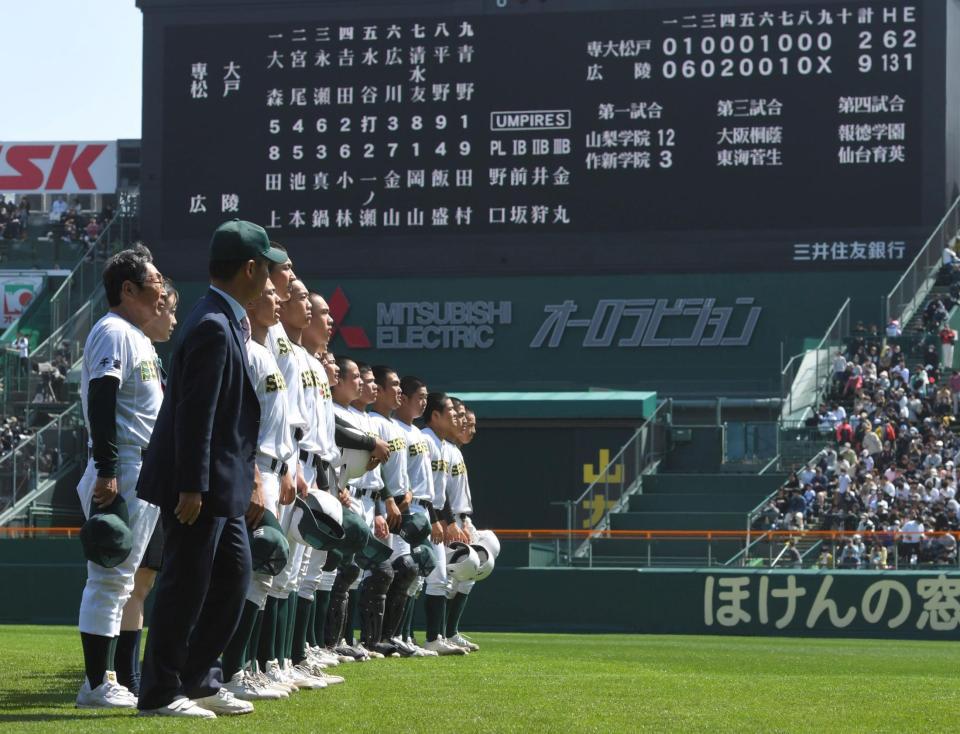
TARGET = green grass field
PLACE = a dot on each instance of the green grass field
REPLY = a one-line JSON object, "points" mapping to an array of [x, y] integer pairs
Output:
{"points": [[552, 683]]}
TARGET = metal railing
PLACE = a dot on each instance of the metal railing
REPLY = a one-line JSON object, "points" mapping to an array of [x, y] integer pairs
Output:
{"points": [[616, 481], [911, 290], [818, 549], [85, 277], [43, 386], [48, 450], [754, 515], [805, 375]]}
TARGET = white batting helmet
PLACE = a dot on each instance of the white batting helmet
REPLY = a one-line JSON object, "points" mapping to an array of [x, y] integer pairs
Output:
{"points": [[486, 562], [316, 500], [463, 563], [355, 462], [488, 539]]}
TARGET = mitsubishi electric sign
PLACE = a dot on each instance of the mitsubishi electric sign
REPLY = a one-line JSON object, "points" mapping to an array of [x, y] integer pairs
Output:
{"points": [[611, 323]]}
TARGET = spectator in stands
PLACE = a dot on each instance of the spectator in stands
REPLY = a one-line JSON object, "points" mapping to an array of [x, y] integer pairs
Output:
{"points": [[893, 328], [92, 231], [912, 535], [22, 345], [878, 556], [948, 338], [23, 214], [57, 210], [850, 555]]}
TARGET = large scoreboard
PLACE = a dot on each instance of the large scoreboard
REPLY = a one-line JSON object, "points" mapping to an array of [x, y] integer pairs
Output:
{"points": [[549, 136]]}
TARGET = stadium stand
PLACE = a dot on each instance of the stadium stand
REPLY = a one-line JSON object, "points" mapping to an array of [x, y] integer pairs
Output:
{"points": [[888, 470]]}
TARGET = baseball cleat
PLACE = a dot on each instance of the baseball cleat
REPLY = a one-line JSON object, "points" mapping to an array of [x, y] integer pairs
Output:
{"points": [[277, 678], [442, 647], [108, 695], [303, 678], [224, 703], [245, 688], [450, 642], [261, 680], [420, 648], [372, 654], [345, 650], [461, 641], [181, 707]]}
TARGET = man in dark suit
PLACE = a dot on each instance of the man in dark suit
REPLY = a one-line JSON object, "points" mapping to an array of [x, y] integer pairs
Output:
{"points": [[199, 468]]}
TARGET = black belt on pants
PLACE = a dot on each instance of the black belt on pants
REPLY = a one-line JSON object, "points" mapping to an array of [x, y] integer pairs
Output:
{"points": [[278, 467], [359, 492], [463, 516], [314, 459], [425, 504]]}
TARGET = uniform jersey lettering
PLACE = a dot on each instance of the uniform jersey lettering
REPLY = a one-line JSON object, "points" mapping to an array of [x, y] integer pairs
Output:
{"points": [[148, 371], [418, 449], [283, 346], [396, 444], [275, 382], [459, 470]]}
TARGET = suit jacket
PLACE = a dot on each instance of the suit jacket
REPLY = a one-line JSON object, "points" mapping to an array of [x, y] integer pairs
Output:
{"points": [[205, 438]]}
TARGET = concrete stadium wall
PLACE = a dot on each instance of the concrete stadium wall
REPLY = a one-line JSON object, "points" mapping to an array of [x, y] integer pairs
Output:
{"points": [[42, 581]]}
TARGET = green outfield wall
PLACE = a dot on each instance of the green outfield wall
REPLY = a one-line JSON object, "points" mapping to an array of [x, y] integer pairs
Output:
{"points": [[43, 580]]}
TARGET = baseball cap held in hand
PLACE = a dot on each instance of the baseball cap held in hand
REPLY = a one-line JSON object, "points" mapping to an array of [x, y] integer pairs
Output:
{"points": [[106, 536]]}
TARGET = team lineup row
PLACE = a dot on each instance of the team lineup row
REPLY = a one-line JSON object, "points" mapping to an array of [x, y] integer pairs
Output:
{"points": [[351, 508]]}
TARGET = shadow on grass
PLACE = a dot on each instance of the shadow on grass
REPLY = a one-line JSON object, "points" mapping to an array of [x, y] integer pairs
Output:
{"points": [[51, 690]]}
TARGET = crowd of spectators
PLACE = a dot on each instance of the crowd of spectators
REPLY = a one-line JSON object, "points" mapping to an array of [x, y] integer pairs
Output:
{"points": [[14, 219], [71, 225], [888, 473]]}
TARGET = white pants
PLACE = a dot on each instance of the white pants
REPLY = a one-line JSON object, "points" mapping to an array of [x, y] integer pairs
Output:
{"points": [[437, 582], [108, 589], [399, 545], [261, 583], [947, 350], [462, 587], [286, 581]]}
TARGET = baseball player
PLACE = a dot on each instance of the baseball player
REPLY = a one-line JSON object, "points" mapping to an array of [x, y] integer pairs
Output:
{"points": [[366, 499], [363, 495], [121, 395], [461, 505], [413, 400], [317, 576], [441, 421], [127, 657], [276, 637], [398, 500], [275, 454]]}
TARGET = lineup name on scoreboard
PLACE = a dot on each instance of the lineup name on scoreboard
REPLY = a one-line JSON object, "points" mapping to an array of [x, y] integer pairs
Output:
{"points": [[59, 167]]}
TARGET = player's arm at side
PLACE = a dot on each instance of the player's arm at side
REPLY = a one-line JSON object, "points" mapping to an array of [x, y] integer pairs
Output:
{"points": [[102, 414], [204, 359]]}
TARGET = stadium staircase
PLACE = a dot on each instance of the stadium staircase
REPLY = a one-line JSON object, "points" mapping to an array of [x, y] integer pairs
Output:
{"points": [[38, 476]]}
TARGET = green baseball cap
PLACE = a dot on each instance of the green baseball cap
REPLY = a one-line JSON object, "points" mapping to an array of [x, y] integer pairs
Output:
{"points": [[105, 536], [316, 527], [425, 557], [414, 528], [240, 240], [356, 534], [269, 548]]}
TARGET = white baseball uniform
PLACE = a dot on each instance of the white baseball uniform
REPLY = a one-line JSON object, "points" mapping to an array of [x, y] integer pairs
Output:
{"points": [[461, 504], [116, 348], [275, 444], [437, 584], [393, 471]]}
